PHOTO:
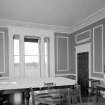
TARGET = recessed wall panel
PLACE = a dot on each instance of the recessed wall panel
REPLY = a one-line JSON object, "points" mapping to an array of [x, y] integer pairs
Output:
{"points": [[98, 49], [2, 52]]}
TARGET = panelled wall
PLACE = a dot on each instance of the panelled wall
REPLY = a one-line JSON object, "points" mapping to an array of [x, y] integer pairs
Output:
{"points": [[93, 34], [64, 55], [62, 61]]}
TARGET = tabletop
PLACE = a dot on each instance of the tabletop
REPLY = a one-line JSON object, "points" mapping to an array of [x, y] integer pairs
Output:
{"points": [[38, 83]]}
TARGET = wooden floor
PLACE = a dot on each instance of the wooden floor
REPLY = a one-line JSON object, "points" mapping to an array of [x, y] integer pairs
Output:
{"points": [[91, 101], [90, 104], [86, 101]]}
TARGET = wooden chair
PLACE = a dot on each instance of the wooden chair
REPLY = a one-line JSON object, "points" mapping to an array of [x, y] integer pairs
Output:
{"points": [[3, 100], [50, 96], [76, 95], [92, 89]]}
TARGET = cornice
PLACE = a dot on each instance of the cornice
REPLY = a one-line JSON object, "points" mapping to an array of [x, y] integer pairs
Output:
{"points": [[98, 15], [7, 22]]}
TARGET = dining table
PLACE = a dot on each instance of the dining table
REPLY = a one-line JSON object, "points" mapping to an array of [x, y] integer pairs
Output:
{"points": [[18, 91], [100, 89]]}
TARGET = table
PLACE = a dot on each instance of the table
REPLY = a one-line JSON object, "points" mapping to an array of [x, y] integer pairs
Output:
{"points": [[24, 86], [100, 87]]}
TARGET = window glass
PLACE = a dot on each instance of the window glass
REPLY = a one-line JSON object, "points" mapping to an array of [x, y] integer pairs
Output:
{"points": [[32, 57], [16, 41], [47, 63]]}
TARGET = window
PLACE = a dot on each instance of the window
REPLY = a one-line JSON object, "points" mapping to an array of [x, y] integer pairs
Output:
{"points": [[32, 56], [16, 49], [47, 63], [16, 41]]}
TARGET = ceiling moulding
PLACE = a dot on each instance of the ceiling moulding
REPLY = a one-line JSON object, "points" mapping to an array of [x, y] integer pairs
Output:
{"points": [[7, 22], [98, 15]]}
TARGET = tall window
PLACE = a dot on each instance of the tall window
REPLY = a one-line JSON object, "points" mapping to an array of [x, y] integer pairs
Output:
{"points": [[16, 55], [47, 63], [27, 60], [32, 57]]}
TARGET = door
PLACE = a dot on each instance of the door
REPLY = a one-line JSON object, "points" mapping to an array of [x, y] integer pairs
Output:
{"points": [[83, 71]]}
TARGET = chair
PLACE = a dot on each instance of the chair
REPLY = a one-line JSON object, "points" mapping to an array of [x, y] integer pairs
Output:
{"points": [[50, 96], [76, 94], [3, 99], [92, 89]]}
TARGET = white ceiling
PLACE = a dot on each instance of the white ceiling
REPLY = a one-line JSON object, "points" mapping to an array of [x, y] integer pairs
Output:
{"points": [[50, 12]]}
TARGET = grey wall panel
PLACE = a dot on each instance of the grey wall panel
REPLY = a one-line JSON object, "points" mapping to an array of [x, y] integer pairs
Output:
{"points": [[62, 53], [104, 47], [6, 73], [72, 55], [2, 52], [98, 48]]}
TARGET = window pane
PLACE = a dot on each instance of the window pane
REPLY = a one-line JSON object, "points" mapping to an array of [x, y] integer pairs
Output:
{"points": [[16, 48], [32, 57], [16, 59], [46, 45], [31, 48], [16, 40]]}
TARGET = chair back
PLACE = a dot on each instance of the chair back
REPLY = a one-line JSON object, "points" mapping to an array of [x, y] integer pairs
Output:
{"points": [[33, 96], [49, 87], [77, 92], [95, 83]]}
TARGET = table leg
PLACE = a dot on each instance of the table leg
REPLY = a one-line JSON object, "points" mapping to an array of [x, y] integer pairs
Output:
{"points": [[97, 94], [69, 97], [33, 96], [27, 97]]}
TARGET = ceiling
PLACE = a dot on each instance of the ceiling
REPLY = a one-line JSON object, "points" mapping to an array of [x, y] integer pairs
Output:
{"points": [[49, 12]]}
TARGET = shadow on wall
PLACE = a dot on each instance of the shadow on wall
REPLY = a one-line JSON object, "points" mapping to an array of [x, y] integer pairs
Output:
{"points": [[70, 77]]}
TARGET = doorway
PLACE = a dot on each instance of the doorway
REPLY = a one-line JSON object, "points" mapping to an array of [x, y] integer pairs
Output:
{"points": [[83, 66], [83, 72]]}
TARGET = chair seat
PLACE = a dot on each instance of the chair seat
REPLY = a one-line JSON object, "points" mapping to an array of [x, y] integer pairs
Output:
{"points": [[50, 96], [49, 100]]}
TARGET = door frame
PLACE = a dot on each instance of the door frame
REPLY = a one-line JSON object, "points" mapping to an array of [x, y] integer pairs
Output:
{"points": [[80, 49]]}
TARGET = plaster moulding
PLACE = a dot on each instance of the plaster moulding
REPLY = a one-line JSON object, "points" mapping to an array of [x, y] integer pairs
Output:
{"points": [[98, 15], [7, 22]]}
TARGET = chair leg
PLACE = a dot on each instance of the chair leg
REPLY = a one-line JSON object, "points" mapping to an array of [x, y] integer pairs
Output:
{"points": [[80, 98], [69, 98]]}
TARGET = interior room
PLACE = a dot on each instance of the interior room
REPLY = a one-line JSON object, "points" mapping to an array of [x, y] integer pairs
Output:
{"points": [[59, 43]]}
